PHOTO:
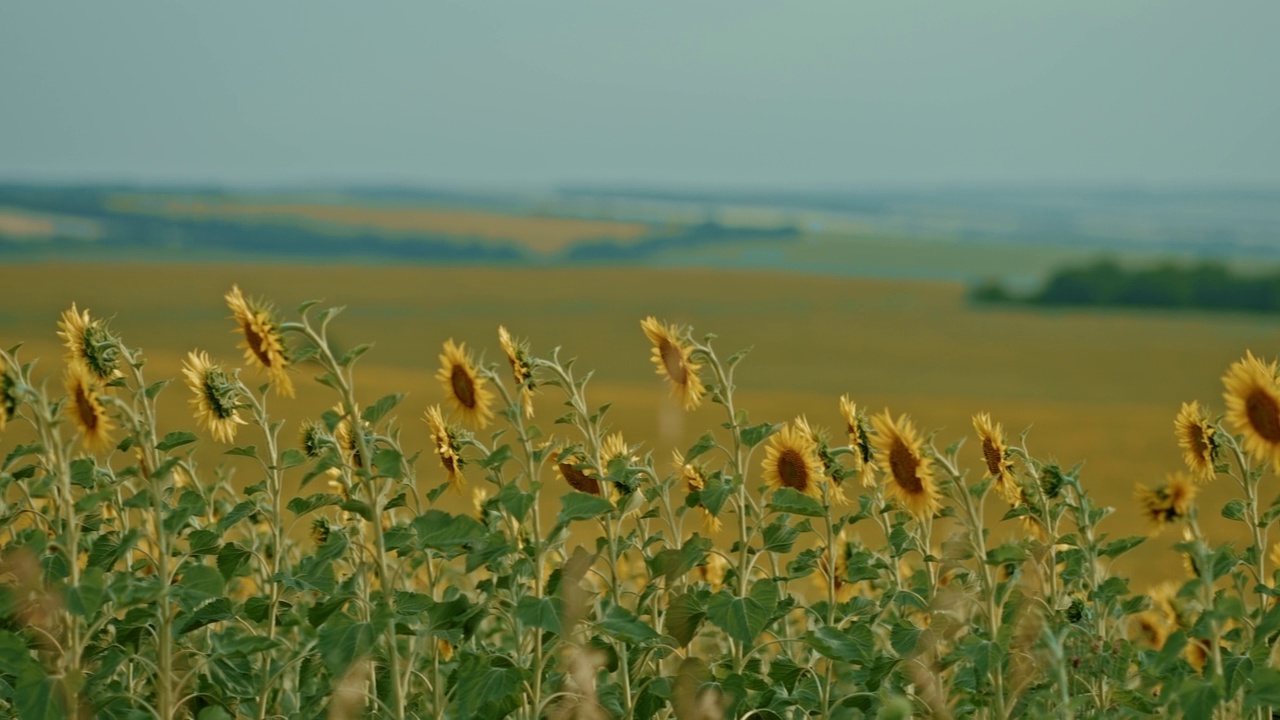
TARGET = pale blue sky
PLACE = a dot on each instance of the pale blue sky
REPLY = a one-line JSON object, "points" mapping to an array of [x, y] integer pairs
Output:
{"points": [[740, 93]]}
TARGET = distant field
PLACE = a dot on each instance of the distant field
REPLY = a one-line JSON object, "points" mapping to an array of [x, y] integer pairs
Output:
{"points": [[539, 234], [1101, 387]]}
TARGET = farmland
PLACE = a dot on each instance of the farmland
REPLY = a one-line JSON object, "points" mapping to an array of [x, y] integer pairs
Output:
{"points": [[1100, 387]]}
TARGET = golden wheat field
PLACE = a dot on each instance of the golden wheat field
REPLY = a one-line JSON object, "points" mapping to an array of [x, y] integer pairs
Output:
{"points": [[1098, 387]]}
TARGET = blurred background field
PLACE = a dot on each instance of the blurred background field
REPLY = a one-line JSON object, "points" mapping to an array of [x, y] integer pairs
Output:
{"points": [[1094, 387]]}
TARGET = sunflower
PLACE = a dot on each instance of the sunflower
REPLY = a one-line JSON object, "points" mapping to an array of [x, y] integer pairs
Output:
{"points": [[1167, 503], [479, 497], [320, 531], [695, 479], [347, 441], [672, 358], [313, 439], [1195, 437], [844, 553], [908, 473], [89, 344], [995, 455], [859, 441], [447, 447], [831, 469], [1150, 628], [263, 343], [1253, 406], [576, 474], [9, 399], [464, 387], [85, 407], [713, 570], [216, 396], [518, 356], [792, 461]]}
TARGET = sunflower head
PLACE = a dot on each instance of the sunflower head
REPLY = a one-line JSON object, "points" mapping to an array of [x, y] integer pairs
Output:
{"points": [[859, 441], [90, 344], [1196, 438], [713, 570], [9, 397], [84, 406], [320, 531], [217, 396], [263, 342], [844, 551], [517, 353], [1167, 503], [1253, 406], [672, 356], [908, 471], [314, 440], [463, 386], [577, 474], [446, 444], [695, 480], [791, 461], [346, 440], [615, 448], [995, 456], [1150, 629]]}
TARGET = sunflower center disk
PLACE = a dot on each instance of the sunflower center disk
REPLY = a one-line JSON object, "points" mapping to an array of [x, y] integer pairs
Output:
{"points": [[992, 456], [903, 463], [463, 389], [793, 471], [257, 344], [85, 407], [673, 361], [1264, 415]]}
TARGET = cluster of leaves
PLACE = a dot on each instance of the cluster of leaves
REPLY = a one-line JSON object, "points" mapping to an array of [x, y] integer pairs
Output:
{"points": [[133, 583]]}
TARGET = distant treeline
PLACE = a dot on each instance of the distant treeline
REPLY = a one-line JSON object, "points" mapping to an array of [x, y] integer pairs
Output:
{"points": [[1204, 286]]}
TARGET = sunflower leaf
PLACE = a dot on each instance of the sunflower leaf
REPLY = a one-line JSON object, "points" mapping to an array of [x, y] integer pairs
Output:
{"points": [[379, 409], [1234, 510], [790, 500], [705, 443], [245, 451], [581, 506], [756, 434], [175, 440], [1116, 548]]}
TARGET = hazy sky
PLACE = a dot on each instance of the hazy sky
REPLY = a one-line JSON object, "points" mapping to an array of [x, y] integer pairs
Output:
{"points": [[838, 93]]}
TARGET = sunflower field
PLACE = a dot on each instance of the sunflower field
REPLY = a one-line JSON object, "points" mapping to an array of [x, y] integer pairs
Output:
{"points": [[770, 570]]}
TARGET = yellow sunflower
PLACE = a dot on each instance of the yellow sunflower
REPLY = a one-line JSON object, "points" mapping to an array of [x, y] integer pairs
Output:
{"points": [[844, 552], [263, 342], [831, 470], [9, 398], [1149, 627], [859, 441], [672, 358], [447, 447], [1253, 406], [1167, 503], [995, 456], [84, 405], [713, 570], [518, 357], [464, 388], [89, 344], [1195, 437], [216, 396], [695, 479], [908, 472], [791, 460], [347, 441]]}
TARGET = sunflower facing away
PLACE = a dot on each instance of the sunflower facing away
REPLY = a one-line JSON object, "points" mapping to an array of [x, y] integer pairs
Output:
{"points": [[9, 398], [695, 479], [1167, 503], [908, 473], [263, 343], [1253, 406], [1195, 437], [791, 460], [89, 344], [518, 357], [995, 457], [464, 388], [859, 441], [216, 396], [672, 358], [574, 472], [84, 405], [447, 448]]}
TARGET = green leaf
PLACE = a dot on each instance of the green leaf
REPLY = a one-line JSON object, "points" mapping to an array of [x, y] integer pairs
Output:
{"points": [[705, 443], [779, 537], [1116, 548], [341, 641], [82, 472], [36, 696], [756, 434], [1006, 553], [1263, 689], [672, 563], [1234, 510], [1199, 698], [201, 581], [292, 458], [244, 451], [175, 440], [154, 389], [789, 500], [497, 458], [685, 613], [541, 613], [242, 510], [231, 558], [742, 618], [358, 507], [483, 689], [581, 506], [715, 494], [515, 501], [304, 504], [438, 530], [389, 462], [854, 645], [903, 637], [85, 599], [215, 610], [379, 409], [203, 542], [620, 624], [412, 603], [784, 671], [354, 354]]}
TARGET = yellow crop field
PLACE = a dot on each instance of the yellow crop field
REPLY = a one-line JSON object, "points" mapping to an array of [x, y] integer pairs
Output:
{"points": [[1098, 387], [539, 234]]}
